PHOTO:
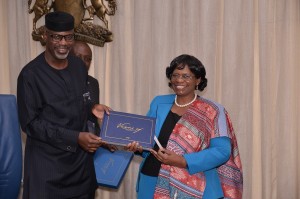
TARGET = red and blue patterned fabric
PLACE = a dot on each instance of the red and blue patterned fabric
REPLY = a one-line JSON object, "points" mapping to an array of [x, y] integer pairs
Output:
{"points": [[203, 122]]}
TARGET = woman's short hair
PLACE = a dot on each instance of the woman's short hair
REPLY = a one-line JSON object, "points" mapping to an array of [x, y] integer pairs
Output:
{"points": [[194, 64]]}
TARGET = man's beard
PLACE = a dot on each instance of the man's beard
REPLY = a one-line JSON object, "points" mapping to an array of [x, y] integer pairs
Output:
{"points": [[61, 56]]}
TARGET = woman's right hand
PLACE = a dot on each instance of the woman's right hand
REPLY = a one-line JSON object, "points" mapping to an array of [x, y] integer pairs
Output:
{"points": [[134, 147], [169, 158]]}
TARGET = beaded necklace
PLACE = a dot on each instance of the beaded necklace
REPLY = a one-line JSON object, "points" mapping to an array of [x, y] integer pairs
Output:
{"points": [[185, 105]]}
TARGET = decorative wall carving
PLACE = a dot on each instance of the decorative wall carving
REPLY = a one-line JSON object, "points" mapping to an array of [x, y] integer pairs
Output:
{"points": [[85, 30]]}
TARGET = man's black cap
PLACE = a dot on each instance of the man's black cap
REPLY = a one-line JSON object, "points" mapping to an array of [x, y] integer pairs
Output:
{"points": [[59, 21]]}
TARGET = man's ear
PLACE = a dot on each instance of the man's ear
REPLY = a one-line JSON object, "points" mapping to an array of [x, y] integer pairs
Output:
{"points": [[44, 35]]}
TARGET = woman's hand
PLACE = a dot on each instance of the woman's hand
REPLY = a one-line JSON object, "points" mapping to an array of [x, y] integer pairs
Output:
{"points": [[134, 147], [169, 157]]}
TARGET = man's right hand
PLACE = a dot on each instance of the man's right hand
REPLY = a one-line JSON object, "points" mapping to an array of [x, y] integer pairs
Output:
{"points": [[89, 142]]}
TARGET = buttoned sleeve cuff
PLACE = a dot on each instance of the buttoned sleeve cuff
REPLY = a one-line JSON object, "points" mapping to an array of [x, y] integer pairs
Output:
{"points": [[69, 140]]}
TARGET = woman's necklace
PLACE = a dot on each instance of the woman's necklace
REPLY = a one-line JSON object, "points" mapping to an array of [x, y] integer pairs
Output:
{"points": [[185, 105]]}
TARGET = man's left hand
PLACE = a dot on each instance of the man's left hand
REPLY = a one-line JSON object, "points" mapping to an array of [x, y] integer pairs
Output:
{"points": [[99, 109]]}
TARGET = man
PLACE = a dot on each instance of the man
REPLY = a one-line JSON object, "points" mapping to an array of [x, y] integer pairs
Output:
{"points": [[53, 108], [84, 52]]}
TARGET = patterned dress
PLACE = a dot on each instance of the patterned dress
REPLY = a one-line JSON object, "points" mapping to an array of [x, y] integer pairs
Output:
{"points": [[193, 133]]}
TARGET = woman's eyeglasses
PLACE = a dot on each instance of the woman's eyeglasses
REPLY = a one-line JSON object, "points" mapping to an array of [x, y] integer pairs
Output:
{"points": [[185, 77]]}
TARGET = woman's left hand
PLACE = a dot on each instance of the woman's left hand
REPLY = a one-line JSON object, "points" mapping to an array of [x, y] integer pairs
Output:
{"points": [[169, 157]]}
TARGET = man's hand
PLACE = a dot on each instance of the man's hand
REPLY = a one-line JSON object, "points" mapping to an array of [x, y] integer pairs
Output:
{"points": [[99, 109], [169, 157], [110, 147], [89, 142]]}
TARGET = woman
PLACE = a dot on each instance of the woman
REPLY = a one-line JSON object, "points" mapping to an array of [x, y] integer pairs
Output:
{"points": [[199, 158]]}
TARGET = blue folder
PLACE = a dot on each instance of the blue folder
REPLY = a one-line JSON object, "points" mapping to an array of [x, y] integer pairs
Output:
{"points": [[111, 167], [121, 128]]}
